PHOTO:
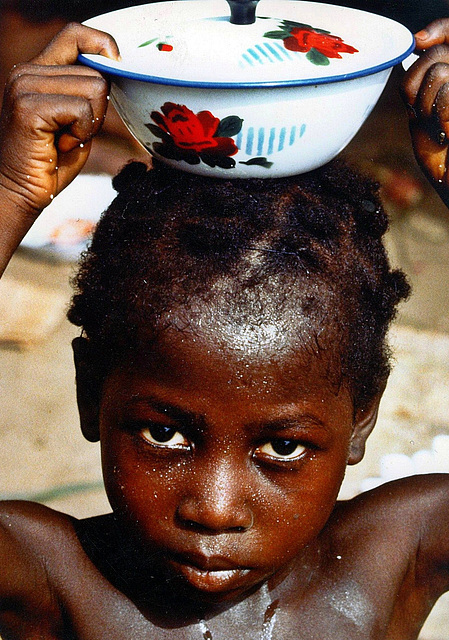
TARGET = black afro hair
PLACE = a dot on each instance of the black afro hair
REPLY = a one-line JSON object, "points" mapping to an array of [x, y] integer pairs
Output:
{"points": [[169, 236]]}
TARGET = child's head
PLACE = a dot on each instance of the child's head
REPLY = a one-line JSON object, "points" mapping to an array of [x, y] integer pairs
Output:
{"points": [[302, 256], [234, 360]]}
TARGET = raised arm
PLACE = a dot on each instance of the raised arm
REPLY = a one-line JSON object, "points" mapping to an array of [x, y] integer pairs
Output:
{"points": [[426, 94], [52, 109]]}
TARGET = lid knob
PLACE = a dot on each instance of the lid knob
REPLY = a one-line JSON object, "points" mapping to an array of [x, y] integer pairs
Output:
{"points": [[243, 11]]}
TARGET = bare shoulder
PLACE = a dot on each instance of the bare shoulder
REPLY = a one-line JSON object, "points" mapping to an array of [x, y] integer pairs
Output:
{"points": [[30, 523], [415, 500], [30, 535], [407, 521]]}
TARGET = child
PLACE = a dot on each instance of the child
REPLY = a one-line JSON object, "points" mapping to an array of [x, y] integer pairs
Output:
{"points": [[231, 363]]}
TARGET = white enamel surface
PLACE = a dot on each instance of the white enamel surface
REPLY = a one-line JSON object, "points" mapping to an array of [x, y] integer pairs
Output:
{"points": [[411, 59], [207, 48], [314, 122], [295, 115]]}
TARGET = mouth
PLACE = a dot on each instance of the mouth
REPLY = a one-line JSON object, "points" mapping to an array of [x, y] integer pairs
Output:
{"points": [[209, 574]]}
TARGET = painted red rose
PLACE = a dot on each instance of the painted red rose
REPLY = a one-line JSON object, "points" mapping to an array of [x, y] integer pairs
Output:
{"points": [[193, 132], [305, 39]]}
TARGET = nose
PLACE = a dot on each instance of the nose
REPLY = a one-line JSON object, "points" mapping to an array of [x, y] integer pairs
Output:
{"points": [[218, 500]]}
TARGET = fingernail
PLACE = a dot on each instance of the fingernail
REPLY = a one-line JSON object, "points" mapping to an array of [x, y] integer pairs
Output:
{"points": [[422, 35]]}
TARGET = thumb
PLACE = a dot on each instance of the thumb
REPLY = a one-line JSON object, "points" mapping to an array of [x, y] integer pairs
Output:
{"points": [[73, 40], [436, 32]]}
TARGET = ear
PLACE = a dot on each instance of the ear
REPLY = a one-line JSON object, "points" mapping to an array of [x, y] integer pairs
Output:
{"points": [[365, 420], [88, 389]]}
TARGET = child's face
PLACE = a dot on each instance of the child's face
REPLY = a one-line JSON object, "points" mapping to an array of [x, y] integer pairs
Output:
{"points": [[225, 459]]}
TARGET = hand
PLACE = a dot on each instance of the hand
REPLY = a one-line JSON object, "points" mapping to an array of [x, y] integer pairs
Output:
{"points": [[51, 111], [425, 90]]}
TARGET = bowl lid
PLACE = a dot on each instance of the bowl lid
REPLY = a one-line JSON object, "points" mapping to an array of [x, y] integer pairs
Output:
{"points": [[194, 43]]}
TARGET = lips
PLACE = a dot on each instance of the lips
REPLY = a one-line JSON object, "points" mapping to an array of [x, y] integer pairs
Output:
{"points": [[209, 573]]}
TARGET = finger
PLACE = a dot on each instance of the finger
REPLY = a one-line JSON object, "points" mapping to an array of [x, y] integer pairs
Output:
{"points": [[93, 88], [28, 68], [436, 32], [75, 39], [38, 117], [433, 80], [432, 156], [441, 114], [414, 77]]}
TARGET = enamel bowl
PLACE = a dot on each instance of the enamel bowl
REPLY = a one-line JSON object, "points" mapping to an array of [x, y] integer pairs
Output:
{"points": [[277, 97]]}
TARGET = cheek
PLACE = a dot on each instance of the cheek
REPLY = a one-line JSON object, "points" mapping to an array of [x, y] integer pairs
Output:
{"points": [[136, 487], [296, 514]]}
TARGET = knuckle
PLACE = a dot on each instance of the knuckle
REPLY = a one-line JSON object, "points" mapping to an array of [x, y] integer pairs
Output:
{"points": [[26, 104], [71, 28], [439, 70], [99, 82], [98, 88], [18, 84], [26, 114], [439, 25], [17, 71], [437, 53], [442, 98]]}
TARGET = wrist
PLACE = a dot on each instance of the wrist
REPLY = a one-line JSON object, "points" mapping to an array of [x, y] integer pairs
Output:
{"points": [[16, 217]]}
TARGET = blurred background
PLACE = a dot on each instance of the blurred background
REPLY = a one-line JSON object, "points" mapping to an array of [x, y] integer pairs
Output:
{"points": [[44, 456]]}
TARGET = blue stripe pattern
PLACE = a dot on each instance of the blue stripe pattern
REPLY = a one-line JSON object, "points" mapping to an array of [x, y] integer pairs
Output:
{"points": [[264, 142], [267, 52]]}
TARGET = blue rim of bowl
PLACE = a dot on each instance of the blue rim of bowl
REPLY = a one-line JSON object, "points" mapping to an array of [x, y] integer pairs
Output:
{"points": [[198, 84]]}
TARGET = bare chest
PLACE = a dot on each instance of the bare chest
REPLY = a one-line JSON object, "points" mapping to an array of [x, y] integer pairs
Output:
{"points": [[343, 614]]}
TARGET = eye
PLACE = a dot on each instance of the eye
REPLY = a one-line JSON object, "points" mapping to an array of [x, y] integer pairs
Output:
{"points": [[164, 436], [282, 449]]}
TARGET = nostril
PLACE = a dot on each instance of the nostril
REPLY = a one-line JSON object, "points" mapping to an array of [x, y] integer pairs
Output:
{"points": [[201, 517], [202, 528], [194, 526]]}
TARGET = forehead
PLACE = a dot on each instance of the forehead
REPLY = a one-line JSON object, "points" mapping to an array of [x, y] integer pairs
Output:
{"points": [[211, 351], [276, 319]]}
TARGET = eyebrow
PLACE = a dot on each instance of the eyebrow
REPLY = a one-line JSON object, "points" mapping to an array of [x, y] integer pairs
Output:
{"points": [[167, 409], [303, 421]]}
